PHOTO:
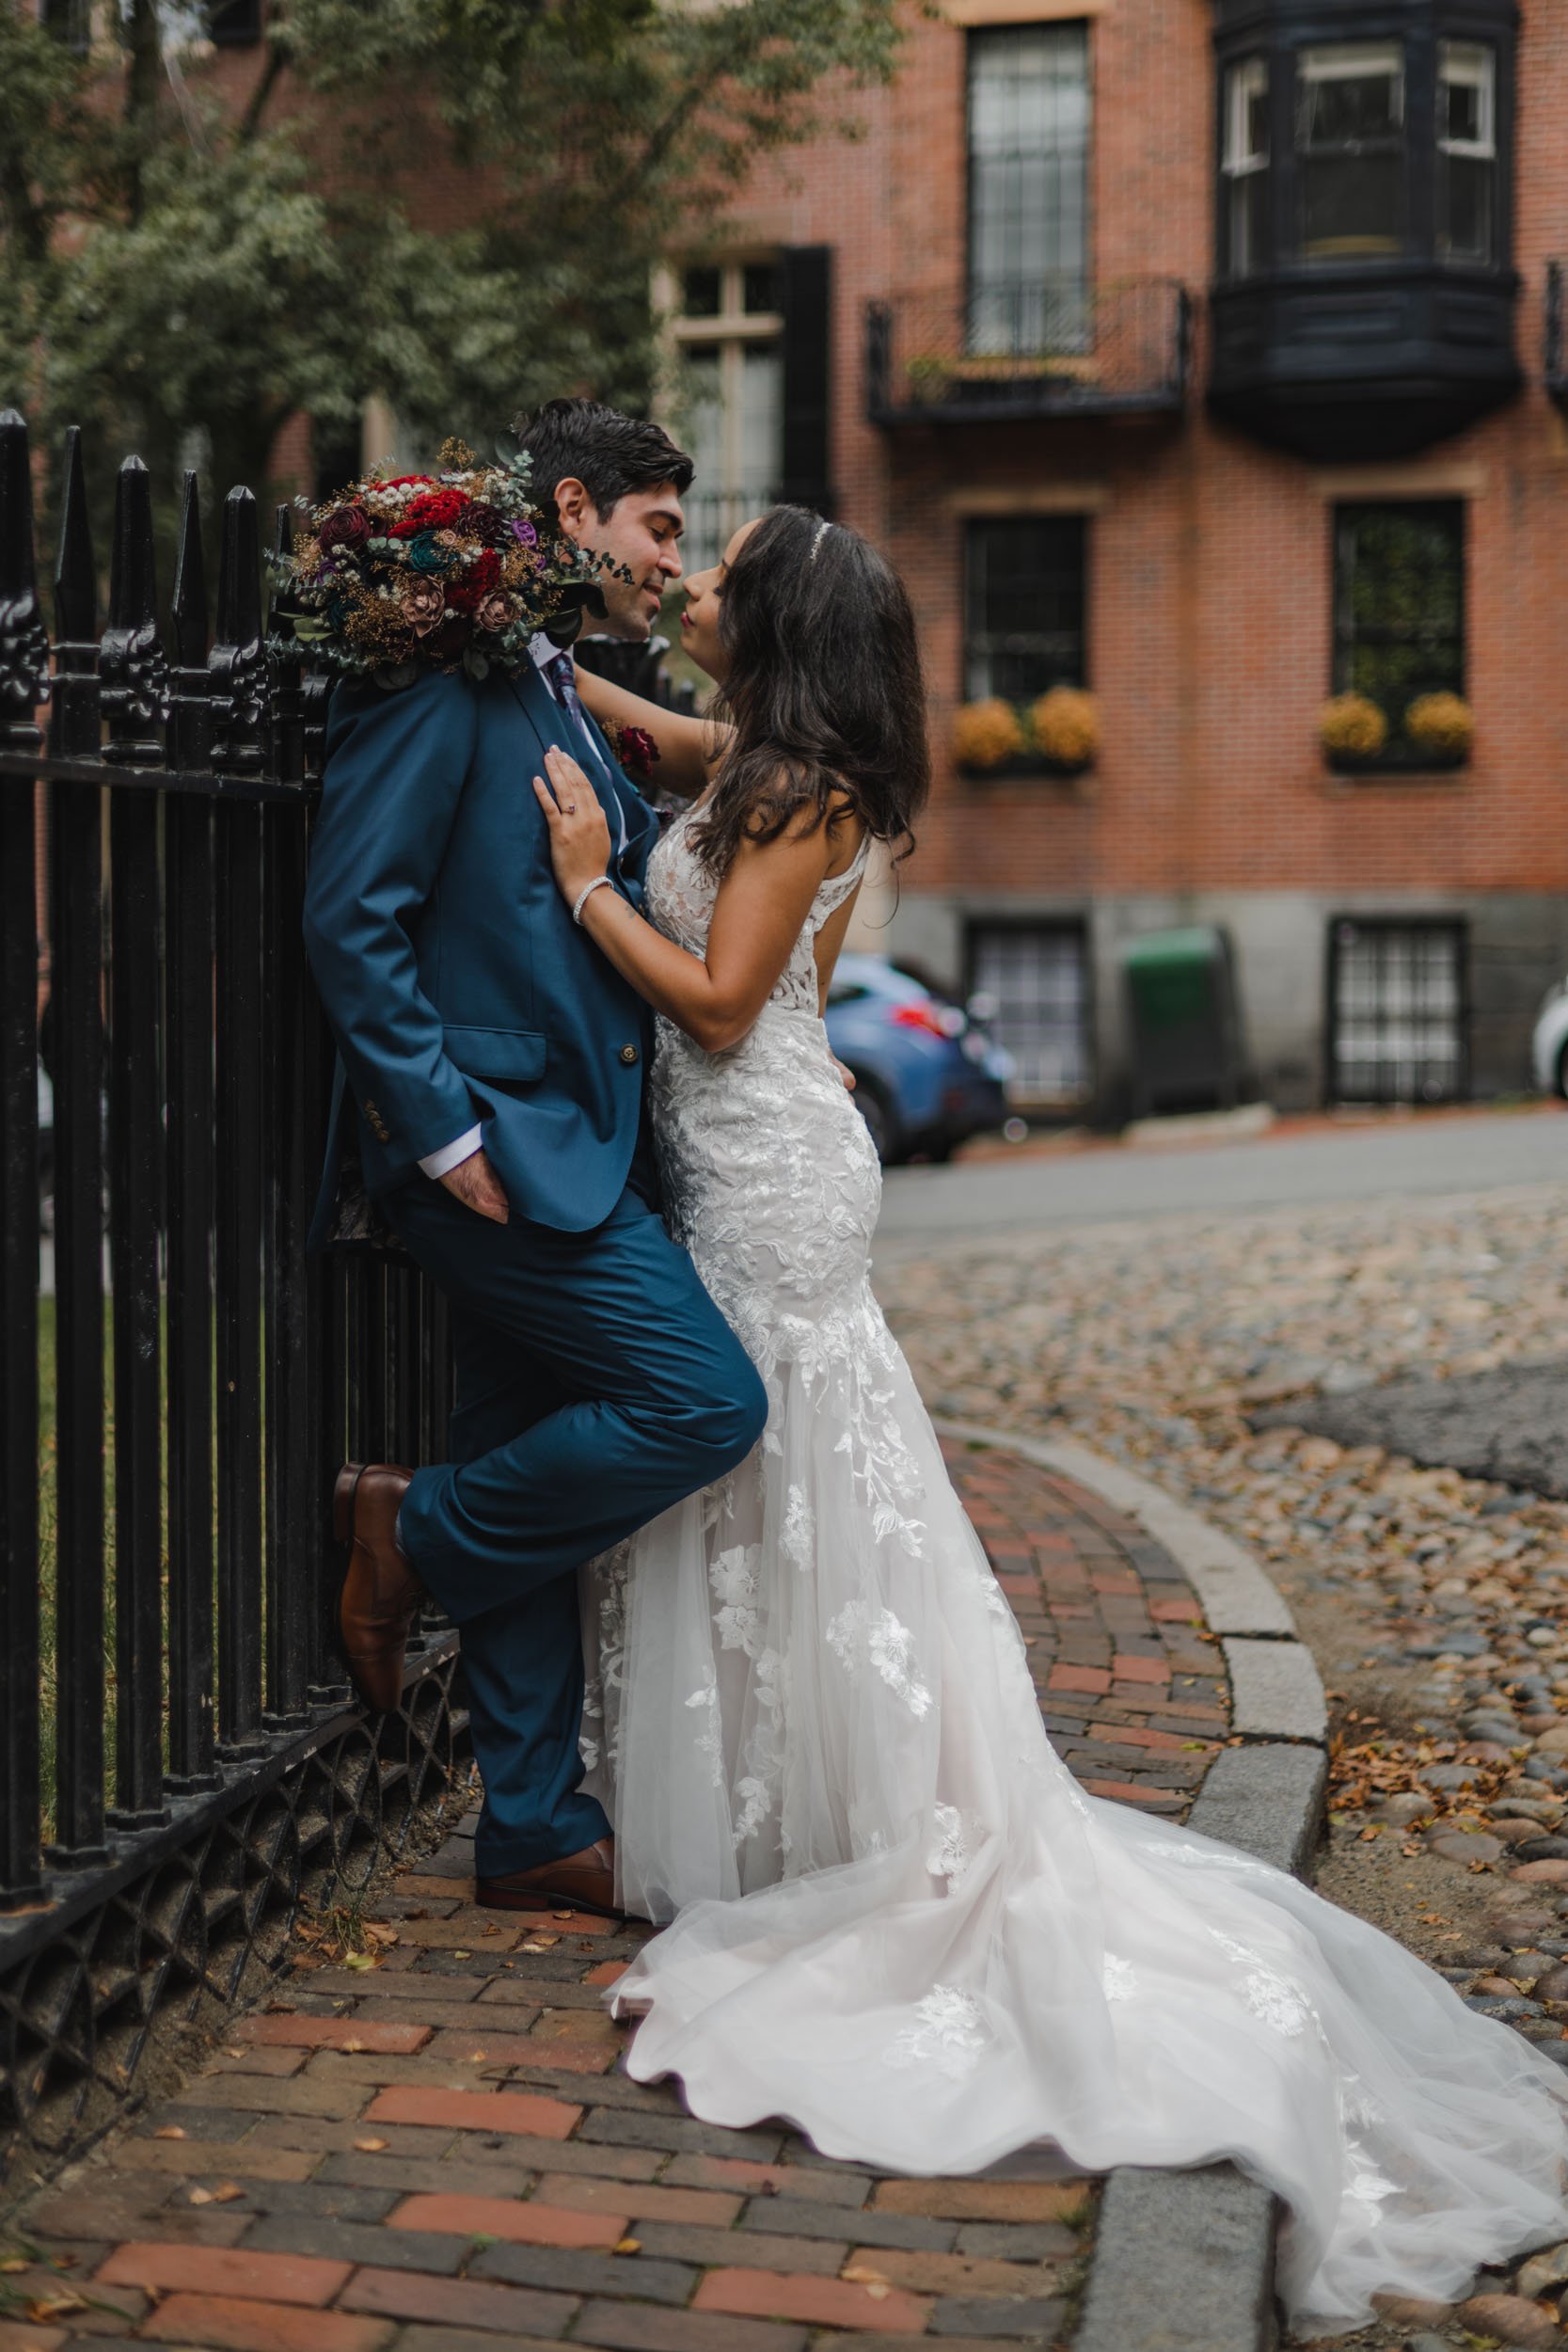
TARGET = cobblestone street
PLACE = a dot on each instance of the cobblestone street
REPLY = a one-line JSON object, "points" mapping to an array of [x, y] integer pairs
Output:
{"points": [[1436, 1605]]}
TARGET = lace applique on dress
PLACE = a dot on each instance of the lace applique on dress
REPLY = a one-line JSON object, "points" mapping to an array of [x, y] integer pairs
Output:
{"points": [[598, 1740], [948, 2035], [955, 1838], [1278, 2000], [734, 1576], [1118, 1978], [862, 1636], [798, 1534]]}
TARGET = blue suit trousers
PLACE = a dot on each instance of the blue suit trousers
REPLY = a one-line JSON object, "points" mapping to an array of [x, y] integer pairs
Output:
{"points": [[597, 1383]]}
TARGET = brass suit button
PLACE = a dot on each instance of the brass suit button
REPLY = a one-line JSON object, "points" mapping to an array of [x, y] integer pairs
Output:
{"points": [[628, 1055]]}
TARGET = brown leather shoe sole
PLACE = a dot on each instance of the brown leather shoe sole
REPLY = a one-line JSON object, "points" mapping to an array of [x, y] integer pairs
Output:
{"points": [[344, 1496], [494, 1894]]}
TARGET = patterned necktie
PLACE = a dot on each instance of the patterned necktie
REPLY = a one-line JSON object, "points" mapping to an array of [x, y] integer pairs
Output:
{"points": [[557, 673]]}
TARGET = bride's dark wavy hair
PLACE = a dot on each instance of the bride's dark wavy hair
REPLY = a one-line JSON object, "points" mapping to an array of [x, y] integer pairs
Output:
{"points": [[824, 689]]}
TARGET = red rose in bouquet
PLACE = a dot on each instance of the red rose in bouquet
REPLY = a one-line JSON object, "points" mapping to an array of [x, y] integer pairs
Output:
{"points": [[439, 508], [480, 579]]}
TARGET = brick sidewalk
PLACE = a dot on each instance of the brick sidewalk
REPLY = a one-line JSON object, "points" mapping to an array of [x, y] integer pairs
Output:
{"points": [[437, 2156]]}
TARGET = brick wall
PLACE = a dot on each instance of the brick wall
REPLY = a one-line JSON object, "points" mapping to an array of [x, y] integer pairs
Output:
{"points": [[1210, 557], [1210, 573]]}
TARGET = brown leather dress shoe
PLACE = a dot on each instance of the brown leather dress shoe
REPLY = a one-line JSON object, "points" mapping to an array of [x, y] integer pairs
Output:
{"points": [[381, 1595], [585, 1880]]}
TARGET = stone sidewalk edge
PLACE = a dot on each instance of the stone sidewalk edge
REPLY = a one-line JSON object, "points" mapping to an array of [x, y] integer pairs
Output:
{"points": [[1184, 2260]]}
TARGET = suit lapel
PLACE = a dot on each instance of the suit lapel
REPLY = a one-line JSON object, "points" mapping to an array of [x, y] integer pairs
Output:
{"points": [[552, 724]]}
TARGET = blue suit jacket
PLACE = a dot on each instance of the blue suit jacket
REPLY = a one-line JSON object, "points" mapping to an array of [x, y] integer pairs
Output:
{"points": [[458, 989]]}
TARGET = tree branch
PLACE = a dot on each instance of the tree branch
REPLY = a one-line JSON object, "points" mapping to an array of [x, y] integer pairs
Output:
{"points": [[261, 97]]}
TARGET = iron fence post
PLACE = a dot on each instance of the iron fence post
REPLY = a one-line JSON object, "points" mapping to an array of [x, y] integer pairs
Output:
{"points": [[23, 684]]}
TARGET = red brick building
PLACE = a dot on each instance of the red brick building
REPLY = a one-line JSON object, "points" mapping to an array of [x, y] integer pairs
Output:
{"points": [[1206, 355], [1200, 352]]}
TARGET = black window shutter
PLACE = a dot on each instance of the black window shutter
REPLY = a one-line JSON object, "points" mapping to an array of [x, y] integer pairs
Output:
{"points": [[806, 274], [235, 24], [68, 21]]}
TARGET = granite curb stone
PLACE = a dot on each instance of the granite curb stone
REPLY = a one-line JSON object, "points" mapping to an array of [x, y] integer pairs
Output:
{"points": [[1183, 2261]]}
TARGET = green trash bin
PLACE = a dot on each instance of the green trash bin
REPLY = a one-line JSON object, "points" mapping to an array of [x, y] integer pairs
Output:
{"points": [[1184, 1021]]}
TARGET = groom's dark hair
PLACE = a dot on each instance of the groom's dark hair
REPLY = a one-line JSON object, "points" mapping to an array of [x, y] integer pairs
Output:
{"points": [[608, 452]]}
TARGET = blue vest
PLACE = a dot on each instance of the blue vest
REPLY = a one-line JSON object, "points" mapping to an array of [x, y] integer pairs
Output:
{"points": [[457, 986]]}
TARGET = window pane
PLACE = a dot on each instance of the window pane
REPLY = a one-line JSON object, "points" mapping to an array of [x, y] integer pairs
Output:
{"points": [[1246, 166], [1466, 142], [1465, 233], [760, 286], [704, 435], [734, 431], [761, 423], [1028, 149], [1399, 602], [1351, 138], [1038, 982], [1354, 206], [1350, 94], [701, 293], [1398, 1014], [1025, 607]]}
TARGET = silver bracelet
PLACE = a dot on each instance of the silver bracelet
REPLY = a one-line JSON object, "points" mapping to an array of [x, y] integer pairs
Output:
{"points": [[598, 882]]}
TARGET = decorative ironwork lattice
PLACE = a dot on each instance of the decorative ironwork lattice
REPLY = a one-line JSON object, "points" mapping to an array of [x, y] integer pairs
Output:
{"points": [[196, 1915]]}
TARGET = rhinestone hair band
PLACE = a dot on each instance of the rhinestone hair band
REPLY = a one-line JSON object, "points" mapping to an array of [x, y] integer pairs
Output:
{"points": [[822, 531]]}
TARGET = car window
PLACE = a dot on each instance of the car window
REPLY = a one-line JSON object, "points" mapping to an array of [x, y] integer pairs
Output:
{"points": [[847, 993]]}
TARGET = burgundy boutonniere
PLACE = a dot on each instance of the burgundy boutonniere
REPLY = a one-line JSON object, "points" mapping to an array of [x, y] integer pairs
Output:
{"points": [[637, 752]]}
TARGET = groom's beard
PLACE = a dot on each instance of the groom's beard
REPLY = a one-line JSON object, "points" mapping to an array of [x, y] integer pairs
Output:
{"points": [[632, 610]]}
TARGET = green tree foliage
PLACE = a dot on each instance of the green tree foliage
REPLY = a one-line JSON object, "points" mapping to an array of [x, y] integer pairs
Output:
{"points": [[452, 204]]}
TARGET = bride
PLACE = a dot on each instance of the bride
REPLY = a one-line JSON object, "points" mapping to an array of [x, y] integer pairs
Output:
{"points": [[888, 1914]]}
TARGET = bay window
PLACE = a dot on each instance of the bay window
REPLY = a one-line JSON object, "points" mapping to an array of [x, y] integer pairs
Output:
{"points": [[1350, 143]]}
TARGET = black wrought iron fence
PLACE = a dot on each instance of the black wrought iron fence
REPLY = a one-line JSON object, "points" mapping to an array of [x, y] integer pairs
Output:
{"points": [[178, 1380]]}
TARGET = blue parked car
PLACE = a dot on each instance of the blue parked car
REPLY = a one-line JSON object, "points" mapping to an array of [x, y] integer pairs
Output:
{"points": [[926, 1076]]}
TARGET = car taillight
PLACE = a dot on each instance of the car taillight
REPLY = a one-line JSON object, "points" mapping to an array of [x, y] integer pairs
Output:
{"points": [[924, 1016]]}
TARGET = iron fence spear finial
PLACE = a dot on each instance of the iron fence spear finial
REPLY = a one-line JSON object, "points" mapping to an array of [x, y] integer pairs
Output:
{"points": [[73, 732], [133, 667], [190, 727], [238, 662], [24, 640]]}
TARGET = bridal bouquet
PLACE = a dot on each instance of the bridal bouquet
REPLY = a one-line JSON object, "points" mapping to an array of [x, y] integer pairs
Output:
{"points": [[452, 570]]}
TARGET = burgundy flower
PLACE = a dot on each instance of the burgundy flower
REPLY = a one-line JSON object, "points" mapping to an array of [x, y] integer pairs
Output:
{"points": [[638, 750], [348, 529]]}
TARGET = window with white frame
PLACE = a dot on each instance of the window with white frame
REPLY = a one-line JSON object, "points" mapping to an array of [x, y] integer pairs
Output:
{"points": [[1351, 145], [1398, 1012], [1467, 150], [729, 337], [1029, 118], [1247, 167], [1029, 985]]}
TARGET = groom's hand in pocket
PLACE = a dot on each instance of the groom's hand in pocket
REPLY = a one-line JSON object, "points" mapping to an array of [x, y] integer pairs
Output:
{"points": [[474, 1182]]}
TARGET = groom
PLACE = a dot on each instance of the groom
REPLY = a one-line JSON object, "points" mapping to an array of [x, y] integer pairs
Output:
{"points": [[494, 1063]]}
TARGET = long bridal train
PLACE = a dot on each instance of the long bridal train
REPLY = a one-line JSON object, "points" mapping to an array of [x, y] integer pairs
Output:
{"points": [[900, 1923]]}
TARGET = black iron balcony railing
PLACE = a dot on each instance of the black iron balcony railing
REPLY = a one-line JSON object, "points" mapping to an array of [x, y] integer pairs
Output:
{"points": [[1029, 351]]}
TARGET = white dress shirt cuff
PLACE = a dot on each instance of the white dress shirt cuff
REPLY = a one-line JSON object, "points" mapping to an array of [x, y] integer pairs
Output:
{"points": [[453, 1155]]}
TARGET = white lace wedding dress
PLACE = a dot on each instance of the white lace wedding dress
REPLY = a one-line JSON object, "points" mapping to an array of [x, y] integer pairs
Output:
{"points": [[896, 1920]]}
